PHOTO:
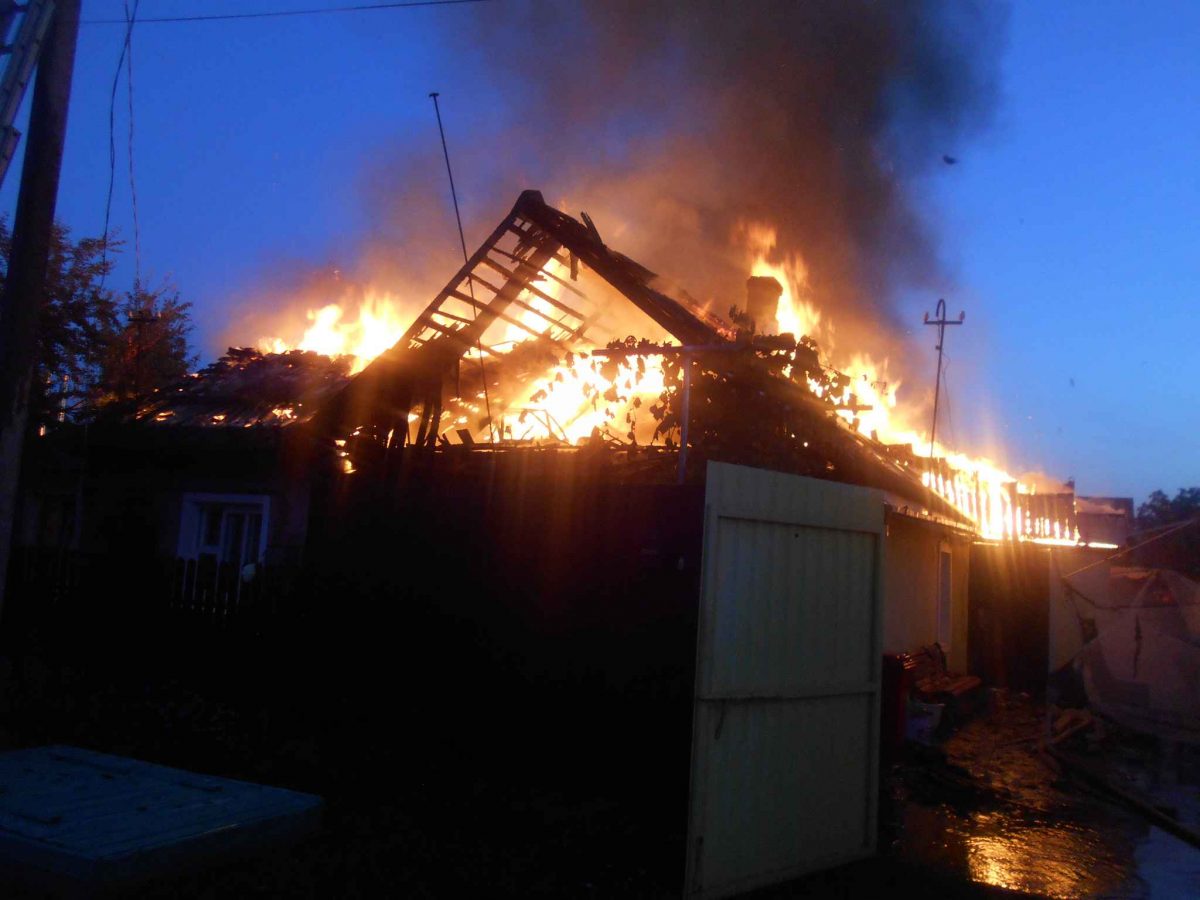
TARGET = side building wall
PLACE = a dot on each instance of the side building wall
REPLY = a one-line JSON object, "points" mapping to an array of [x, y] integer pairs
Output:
{"points": [[124, 491], [913, 615], [1022, 624]]}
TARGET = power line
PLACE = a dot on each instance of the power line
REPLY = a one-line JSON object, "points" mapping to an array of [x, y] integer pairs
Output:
{"points": [[1179, 526], [112, 149], [126, 58], [281, 13], [949, 408], [137, 231]]}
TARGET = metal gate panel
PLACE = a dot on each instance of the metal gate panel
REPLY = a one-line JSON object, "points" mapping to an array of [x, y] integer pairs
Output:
{"points": [[785, 733]]}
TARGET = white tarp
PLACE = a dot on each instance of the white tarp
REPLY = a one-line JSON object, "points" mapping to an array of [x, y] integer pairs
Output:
{"points": [[1137, 646]]}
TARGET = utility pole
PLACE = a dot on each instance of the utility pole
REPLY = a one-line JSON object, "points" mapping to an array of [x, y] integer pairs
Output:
{"points": [[939, 319], [33, 228]]}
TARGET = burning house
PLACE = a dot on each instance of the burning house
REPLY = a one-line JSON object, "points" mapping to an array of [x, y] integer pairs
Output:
{"points": [[563, 478], [526, 348], [511, 355]]}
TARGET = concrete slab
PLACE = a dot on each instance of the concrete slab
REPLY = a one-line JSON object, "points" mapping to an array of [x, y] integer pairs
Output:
{"points": [[76, 820]]}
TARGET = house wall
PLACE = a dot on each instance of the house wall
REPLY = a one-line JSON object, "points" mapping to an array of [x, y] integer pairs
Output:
{"points": [[1010, 614], [1104, 528], [527, 594], [910, 603], [122, 491], [143, 510], [287, 515], [1021, 624]]}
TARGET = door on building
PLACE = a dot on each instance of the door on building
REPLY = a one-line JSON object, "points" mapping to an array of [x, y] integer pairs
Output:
{"points": [[785, 725]]}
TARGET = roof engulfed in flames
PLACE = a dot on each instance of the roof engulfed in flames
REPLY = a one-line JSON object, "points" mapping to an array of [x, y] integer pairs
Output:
{"points": [[507, 354]]}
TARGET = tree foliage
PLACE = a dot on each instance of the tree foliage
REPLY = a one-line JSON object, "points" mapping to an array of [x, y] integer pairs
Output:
{"points": [[89, 353], [150, 349], [1159, 509]]}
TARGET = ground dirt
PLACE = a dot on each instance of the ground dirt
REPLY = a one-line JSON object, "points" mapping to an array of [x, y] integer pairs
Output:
{"points": [[980, 814]]}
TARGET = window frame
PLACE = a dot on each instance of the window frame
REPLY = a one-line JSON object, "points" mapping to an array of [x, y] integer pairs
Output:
{"points": [[193, 523], [945, 595]]}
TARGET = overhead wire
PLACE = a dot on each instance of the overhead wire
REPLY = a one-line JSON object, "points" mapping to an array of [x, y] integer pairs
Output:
{"points": [[125, 59], [1178, 526], [282, 13], [112, 150], [949, 407], [131, 15]]}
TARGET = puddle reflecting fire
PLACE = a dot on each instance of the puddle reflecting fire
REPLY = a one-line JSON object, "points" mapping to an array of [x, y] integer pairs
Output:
{"points": [[1023, 830]]}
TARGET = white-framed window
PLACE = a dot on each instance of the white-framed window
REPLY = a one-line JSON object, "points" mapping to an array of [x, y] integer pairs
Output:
{"points": [[945, 596], [224, 528]]}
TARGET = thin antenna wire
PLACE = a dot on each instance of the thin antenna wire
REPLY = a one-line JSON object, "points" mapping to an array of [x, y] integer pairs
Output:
{"points": [[137, 231], [470, 279], [453, 193]]}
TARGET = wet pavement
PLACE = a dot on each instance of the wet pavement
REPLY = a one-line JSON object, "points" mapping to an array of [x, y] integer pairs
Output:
{"points": [[987, 806], [982, 814]]}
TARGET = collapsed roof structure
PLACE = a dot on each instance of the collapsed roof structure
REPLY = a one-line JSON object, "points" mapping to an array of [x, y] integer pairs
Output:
{"points": [[474, 367], [246, 388], [403, 398]]}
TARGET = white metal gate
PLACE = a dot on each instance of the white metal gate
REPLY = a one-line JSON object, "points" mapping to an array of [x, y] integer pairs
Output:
{"points": [[786, 723]]}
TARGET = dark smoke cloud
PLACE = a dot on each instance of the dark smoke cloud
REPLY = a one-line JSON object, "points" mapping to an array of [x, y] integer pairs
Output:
{"points": [[673, 122]]}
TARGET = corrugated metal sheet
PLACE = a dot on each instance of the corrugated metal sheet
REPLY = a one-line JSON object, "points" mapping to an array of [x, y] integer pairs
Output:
{"points": [[785, 735]]}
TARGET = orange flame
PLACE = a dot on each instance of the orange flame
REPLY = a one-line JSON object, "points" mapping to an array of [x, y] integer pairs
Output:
{"points": [[796, 314], [574, 400], [977, 487], [375, 325]]}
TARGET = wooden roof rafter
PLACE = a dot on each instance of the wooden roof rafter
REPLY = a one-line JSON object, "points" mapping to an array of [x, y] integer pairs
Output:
{"points": [[519, 251]]}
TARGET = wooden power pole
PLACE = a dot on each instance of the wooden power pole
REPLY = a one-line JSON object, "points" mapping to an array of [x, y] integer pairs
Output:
{"points": [[939, 319], [33, 229]]}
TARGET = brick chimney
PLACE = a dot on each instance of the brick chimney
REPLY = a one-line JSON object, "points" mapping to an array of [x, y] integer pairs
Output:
{"points": [[762, 300]]}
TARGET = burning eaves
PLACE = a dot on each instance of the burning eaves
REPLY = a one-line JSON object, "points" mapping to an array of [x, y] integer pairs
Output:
{"points": [[528, 345], [247, 388]]}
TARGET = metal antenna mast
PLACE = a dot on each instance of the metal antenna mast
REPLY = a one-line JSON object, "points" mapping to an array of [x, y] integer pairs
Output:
{"points": [[470, 281], [941, 322]]}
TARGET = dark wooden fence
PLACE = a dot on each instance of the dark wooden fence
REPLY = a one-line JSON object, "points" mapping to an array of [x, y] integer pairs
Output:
{"points": [[46, 578], [227, 596], [145, 592]]}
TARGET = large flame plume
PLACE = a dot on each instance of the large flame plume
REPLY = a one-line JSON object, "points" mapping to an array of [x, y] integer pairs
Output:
{"points": [[976, 486], [361, 330]]}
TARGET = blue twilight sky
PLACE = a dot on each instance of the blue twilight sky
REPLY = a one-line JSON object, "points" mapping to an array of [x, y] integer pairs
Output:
{"points": [[1071, 226]]}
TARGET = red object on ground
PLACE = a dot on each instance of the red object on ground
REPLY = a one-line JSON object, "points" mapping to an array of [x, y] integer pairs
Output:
{"points": [[893, 716]]}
